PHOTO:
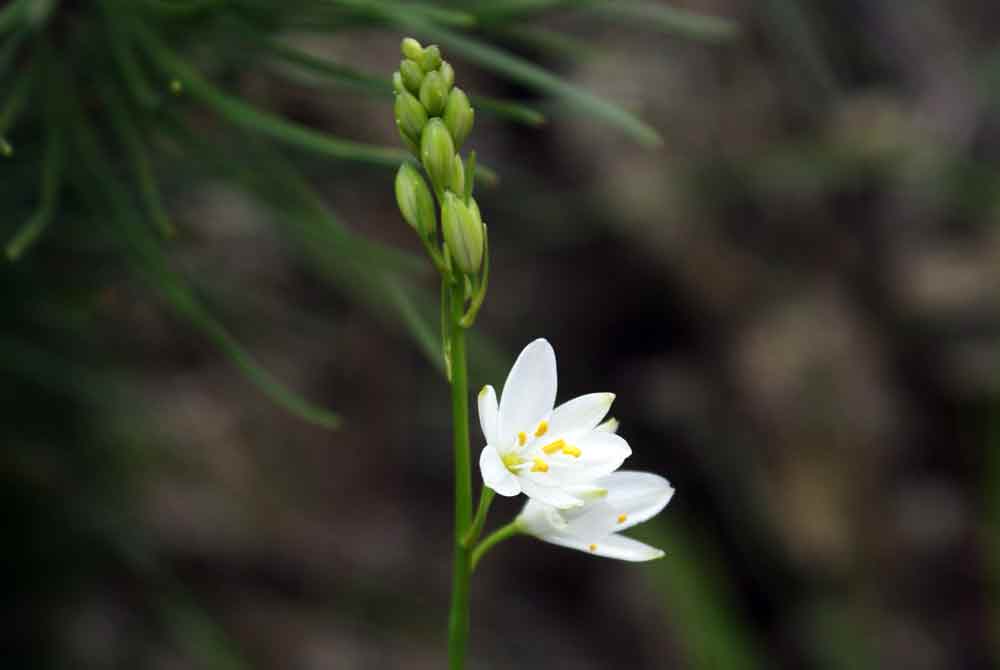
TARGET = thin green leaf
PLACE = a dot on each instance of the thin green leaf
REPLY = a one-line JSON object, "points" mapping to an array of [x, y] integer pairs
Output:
{"points": [[182, 9], [244, 115], [136, 150], [14, 104], [121, 48], [670, 20], [11, 15], [52, 175], [494, 12], [545, 40], [149, 262]]}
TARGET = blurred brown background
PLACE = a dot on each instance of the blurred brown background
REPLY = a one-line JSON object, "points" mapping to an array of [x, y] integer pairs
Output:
{"points": [[794, 299]]}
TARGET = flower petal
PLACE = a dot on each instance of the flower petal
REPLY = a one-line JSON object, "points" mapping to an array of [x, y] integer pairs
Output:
{"points": [[601, 454], [495, 473], [636, 495], [550, 495], [580, 415], [539, 519], [610, 546], [488, 411], [609, 426], [529, 392]]}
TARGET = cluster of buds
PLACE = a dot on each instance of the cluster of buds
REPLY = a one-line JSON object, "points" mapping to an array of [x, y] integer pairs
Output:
{"points": [[434, 119]]}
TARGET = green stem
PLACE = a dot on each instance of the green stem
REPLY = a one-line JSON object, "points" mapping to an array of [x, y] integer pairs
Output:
{"points": [[485, 499], [458, 620], [497, 536]]}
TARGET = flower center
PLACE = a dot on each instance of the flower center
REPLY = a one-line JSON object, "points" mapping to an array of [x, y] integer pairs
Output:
{"points": [[511, 460]]}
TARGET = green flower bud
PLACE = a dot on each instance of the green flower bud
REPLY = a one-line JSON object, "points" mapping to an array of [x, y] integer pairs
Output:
{"points": [[414, 147], [474, 208], [458, 115], [431, 58], [412, 75], [457, 184], [437, 152], [448, 74], [397, 82], [412, 49], [433, 93], [463, 233], [410, 115], [415, 201]]}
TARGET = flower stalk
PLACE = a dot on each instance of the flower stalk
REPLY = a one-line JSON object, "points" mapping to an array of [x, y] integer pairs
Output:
{"points": [[458, 620]]}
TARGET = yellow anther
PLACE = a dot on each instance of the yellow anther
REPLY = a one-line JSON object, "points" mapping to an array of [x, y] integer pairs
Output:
{"points": [[543, 428], [540, 466], [553, 447], [521, 438], [622, 517], [572, 451], [593, 547]]}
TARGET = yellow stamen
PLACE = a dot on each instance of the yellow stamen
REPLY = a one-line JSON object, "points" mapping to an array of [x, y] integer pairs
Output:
{"points": [[540, 466], [593, 547], [622, 517], [572, 451], [554, 446], [543, 428], [521, 438], [511, 460]]}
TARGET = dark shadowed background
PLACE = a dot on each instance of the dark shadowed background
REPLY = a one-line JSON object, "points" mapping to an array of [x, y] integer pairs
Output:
{"points": [[794, 297]]}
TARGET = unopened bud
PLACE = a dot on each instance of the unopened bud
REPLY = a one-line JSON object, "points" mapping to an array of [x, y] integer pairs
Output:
{"points": [[431, 58], [437, 152], [397, 82], [447, 73], [433, 93], [463, 233], [412, 49], [410, 115], [457, 184], [414, 147], [415, 201], [412, 75], [459, 116]]}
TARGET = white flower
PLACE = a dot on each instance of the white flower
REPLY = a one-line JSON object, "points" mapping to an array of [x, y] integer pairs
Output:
{"points": [[613, 503], [541, 451]]}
